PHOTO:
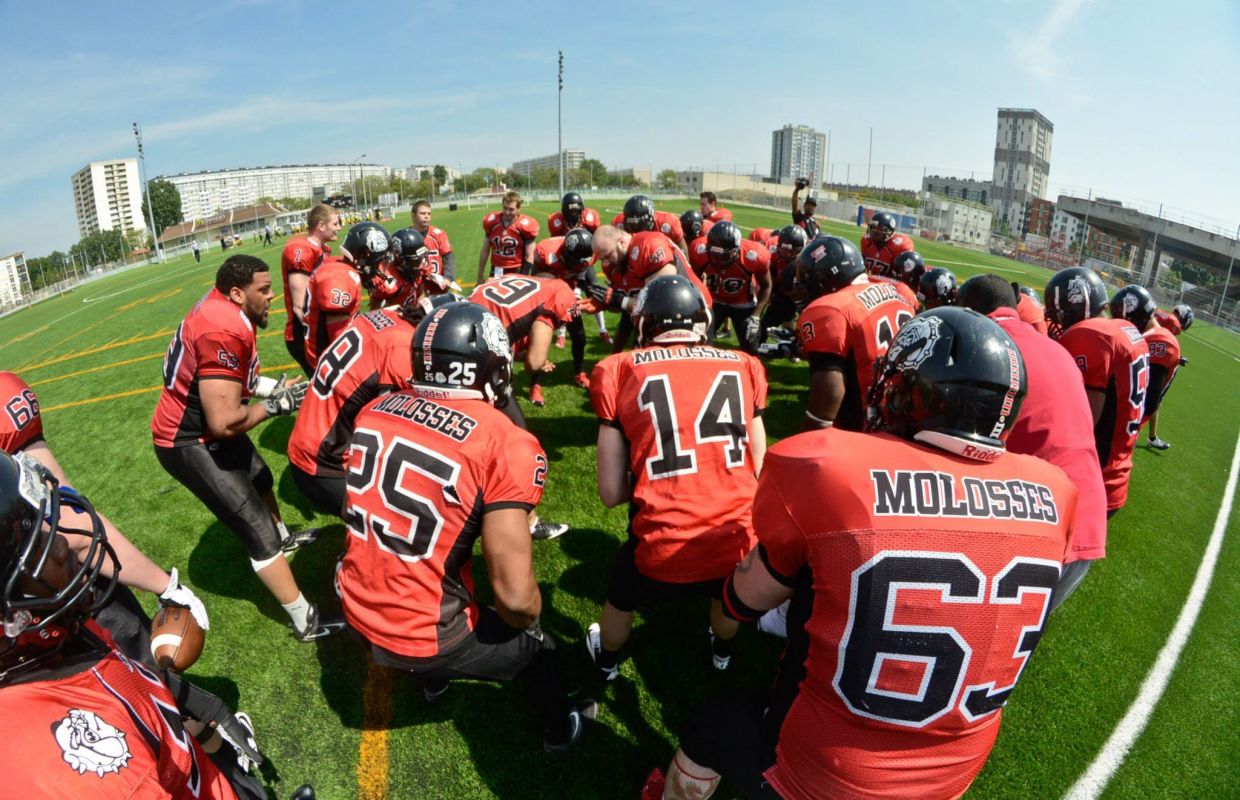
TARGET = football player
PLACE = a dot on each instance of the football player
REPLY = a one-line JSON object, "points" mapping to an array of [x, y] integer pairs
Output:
{"points": [[200, 424], [803, 214], [880, 244], [918, 592], [440, 259], [788, 297], [904, 271], [433, 469], [570, 258], [334, 294], [573, 213], [107, 725], [639, 216], [936, 288], [681, 439], [302, 255], [1115, 361], [847, 325], [693, 225], [1029, 307], [1177, 320], [21, 431], [708, 202], [508, 239], [763, 235], [1135, 304], [731, 267]]}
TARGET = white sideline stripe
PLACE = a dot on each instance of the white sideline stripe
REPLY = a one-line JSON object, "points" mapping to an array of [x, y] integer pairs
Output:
{"points": [[1095, 779]]}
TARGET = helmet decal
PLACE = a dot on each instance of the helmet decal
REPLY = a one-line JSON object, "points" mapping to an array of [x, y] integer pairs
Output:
{"points": [[1078, 293], [914, 343], [1131, 302], [376, 240], [494, 336], [943, 285]]}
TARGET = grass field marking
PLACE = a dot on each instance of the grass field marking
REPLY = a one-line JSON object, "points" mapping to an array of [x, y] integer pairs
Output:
{"points": [[89, 370], [174, 272], [90, 351], [1095, 779], [372, 750], [1214, 347], [155, 298]]}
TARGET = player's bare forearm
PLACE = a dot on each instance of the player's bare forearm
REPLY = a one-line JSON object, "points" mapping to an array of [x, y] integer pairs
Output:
{"points": [[483, 257], [223, 411], [826, 395], [508, 552], [764, 294], [297, 284], [796, 201], [449, 266], [757, 444], [756, 587], [137, 571]]}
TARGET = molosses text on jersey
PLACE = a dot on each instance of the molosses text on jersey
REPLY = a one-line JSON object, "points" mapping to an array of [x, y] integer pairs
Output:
{"points": [[927, 493], [429, 414]]}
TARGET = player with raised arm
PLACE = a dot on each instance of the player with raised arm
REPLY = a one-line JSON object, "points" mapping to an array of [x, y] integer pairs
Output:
{"points": [[1115, 361], [302, 256], [731, 267], [201, 421], [681, 439], [847, 325], [881, 243], [919, 592], [433, 469], [803, 214], [1136, 304], [508, 240]]}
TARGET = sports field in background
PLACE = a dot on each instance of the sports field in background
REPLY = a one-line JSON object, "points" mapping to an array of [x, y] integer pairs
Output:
{"points": [[323, 716]]}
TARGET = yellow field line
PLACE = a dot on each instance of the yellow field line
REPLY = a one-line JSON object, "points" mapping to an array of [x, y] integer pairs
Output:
{"points": [[89, 400], [92, 350], [372, 755], [89, 370]]}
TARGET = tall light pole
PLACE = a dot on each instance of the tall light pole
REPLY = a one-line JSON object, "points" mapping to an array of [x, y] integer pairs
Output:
{"points": [[559, 113], [159, 252], [354, 186]]}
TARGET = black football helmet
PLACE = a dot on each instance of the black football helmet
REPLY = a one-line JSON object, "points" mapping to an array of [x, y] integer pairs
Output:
{"points": [[723, 243], [46, 593], [1135, 304], [951, 378], [670, 310], [1184, 313], [578, 248], [416, 309], [462, 347], [639, 214], [369, 246], [792, 240], [691, 222], [1073, 295], [1027, 291], [409, 252], [936, 288], [828, 264], [571, 206], [882, 227], [908, 267]]}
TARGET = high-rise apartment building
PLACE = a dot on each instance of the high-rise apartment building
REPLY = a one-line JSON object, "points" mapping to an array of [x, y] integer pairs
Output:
{"points": [[1022, 164], [107, 196], [13, 279], [798, 151], [203, 194], [572, 160]]}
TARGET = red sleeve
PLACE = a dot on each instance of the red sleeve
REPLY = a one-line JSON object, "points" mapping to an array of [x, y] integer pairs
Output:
{"points": [[782, 541], [545, 253], [20, 424], [441, 236], [1093, 356], [223, 355], [707, 224], [299, 256], [698, 255], [618, 220], [563, 305], [488, 221], [823, 329], [589, 220], [555, 224], [517, 471], [756, 259], [605, 389], [337, 292], [900, 244], [672, 229], [529, 228]]}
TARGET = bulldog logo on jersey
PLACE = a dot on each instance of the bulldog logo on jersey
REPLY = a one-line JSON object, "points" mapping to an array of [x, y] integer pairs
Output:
{"points": [[914, 343], [89, 744]]}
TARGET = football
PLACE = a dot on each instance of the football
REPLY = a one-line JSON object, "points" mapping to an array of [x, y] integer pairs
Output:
{"points": [[176, 639]]}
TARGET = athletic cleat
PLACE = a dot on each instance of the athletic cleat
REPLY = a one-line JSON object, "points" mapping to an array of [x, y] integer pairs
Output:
{"points": [[433, 690], [653, 788], [605, 337], [536, 396], [318, 627], [299, 539], [1159, 444], [594, 644], [582, 380], [719, 662], [561, 342], [580, 718], [544, 530]]}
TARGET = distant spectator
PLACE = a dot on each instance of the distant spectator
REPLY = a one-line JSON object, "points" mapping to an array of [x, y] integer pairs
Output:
{"points": [[197, 250], [266, 234], [223, 242], [803, 215]]}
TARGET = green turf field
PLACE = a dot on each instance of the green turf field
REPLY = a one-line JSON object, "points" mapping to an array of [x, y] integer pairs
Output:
{"points": [[94, 355]]}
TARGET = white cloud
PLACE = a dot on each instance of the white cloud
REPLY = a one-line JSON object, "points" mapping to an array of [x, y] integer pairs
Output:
{"points": [[1038, 53]]}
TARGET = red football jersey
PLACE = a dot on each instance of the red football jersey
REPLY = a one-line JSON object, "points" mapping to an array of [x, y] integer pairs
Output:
{"points": [[437, 246], [686, 413], [762, 235], [651, 251], [1165, 352], [304, 256], [215, 340], [508, 241], [719, 215], [1169, 321], [21, 423], [520, 300], [335, 288], [422, 473], [903, 288], [878, 259], [1115, 360], [856, 323], [931, 577], [370, 357], [733, 284], [556, 226], [109, 731], [665, 223], [1032, 312], [549, 257]]}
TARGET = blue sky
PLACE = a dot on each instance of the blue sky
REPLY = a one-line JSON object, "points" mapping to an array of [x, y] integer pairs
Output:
{"points": [[1142, 94]]}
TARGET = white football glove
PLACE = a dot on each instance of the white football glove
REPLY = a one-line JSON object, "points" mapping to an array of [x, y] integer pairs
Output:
{"points": [[183, 596], [266, 386], [286, 399], [752, 332]]}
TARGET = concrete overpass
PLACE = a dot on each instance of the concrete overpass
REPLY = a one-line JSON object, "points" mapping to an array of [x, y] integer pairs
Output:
{"points": [[1212, 248]]}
